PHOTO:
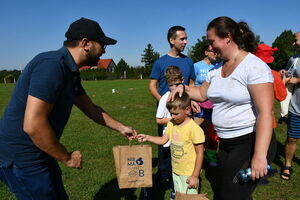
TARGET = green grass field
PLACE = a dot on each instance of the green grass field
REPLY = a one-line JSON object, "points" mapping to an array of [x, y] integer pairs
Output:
{"points": [[134, 106]]}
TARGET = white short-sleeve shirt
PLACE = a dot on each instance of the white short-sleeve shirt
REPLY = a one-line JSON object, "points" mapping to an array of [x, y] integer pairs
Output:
{"points": [[163, 112], [234, 113]]}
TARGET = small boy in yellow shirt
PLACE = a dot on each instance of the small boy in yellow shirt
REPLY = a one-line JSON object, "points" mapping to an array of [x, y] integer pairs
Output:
{"points": [[187, 149]]}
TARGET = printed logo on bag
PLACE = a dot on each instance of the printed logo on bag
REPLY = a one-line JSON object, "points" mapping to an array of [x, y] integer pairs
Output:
{"points": [[135, 167], [133, 173]]}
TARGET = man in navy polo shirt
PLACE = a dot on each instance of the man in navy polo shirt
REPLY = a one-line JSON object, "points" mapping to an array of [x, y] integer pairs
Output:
{"points": [[39, 109]]}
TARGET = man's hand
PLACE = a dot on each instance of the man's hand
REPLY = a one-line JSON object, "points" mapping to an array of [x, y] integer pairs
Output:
{"points": [[128, 132], [75, 160], [193, 182]]}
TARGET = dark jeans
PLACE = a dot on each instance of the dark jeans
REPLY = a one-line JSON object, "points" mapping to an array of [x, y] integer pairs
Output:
{"points": [[36, 182]]}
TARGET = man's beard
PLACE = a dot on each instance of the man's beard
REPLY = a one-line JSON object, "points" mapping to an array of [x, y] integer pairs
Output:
{"points": [[92, 60]]}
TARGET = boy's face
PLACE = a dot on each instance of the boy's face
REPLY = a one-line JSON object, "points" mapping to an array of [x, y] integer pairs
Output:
{"points": [[174, 84], [179, 115]]}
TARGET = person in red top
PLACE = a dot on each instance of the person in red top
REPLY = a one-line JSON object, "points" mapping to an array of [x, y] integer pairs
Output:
{"points": [[265, 53]]}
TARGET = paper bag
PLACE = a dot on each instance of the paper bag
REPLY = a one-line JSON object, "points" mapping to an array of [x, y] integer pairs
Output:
{"points": [[133, 165], [182, 196]]}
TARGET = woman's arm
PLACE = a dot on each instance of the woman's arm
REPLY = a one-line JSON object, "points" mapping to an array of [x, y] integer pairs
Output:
{"points": [[263, 98], [196, 93]]}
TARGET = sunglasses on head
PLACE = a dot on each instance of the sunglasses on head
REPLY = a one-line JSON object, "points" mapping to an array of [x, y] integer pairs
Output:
{"points": [[176, 84]]}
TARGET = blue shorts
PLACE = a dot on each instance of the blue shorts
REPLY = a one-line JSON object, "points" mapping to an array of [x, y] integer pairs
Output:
{"points": [[37, 182], [204, 113], [293, 126]]}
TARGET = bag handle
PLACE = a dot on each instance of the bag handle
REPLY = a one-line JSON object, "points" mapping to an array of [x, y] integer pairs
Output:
{"points": [[187, 190], [294, 64]]}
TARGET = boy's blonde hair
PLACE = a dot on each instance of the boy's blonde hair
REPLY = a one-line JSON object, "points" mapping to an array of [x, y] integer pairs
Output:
{"points": [[179, 102], [173, 74]]}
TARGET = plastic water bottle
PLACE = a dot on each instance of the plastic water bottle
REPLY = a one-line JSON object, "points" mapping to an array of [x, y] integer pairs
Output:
{"points": [[245, 174]]}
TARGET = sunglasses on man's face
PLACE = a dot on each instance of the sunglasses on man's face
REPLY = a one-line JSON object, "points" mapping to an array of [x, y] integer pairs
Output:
{"points": [[102, 45]]}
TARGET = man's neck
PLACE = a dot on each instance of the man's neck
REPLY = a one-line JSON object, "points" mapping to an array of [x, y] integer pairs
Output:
{"points": [[174, 53], [76, 56]]}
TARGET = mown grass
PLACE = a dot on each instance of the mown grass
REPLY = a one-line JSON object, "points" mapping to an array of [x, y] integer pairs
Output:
{"points": [[133, 105]]}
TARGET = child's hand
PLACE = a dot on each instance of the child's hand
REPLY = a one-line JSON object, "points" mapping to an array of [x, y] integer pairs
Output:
{"points": [[142, 137], [193, 182]]}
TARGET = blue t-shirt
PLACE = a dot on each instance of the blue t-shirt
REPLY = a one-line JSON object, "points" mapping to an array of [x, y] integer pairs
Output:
{"points": [[52, 77], [160, 66], [201, 70]]}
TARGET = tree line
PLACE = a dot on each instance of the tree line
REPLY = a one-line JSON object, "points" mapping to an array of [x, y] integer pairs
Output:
{"points": [[123, 71]]}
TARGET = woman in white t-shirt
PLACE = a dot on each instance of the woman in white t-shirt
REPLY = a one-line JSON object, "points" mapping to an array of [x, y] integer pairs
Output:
{"points": [[242, 94]]}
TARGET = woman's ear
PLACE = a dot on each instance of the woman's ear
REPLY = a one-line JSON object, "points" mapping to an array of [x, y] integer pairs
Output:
{"points": [[228, 38]]}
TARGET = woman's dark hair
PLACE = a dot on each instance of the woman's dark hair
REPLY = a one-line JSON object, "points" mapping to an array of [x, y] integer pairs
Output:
{"points": [[240, 32]]}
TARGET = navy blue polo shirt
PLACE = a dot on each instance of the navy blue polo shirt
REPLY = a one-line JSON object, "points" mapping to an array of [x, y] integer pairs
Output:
{"points": [[52, 77]]}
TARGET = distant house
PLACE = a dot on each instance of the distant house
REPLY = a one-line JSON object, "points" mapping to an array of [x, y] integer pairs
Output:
{"points": [[107, 64], [84, 67]]}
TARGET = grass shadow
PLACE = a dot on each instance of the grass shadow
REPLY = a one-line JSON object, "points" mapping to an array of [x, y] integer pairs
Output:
{"points": [[111, 190], [212, 174]]}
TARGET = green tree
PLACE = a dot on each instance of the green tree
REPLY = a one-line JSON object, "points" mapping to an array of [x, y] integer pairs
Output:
{"points": [[285, 49], [121, 67], [149, 57], [195, 52]]}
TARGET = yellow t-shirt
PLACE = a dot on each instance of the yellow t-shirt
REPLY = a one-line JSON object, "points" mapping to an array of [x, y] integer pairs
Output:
{"points": [[182, 140]]}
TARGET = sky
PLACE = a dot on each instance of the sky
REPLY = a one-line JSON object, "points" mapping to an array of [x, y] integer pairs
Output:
{"points": [[30, 27]]}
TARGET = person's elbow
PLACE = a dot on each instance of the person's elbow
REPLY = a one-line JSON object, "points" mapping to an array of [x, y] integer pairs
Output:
{"points": [[28, 127], [31, 126], [160, 121]]}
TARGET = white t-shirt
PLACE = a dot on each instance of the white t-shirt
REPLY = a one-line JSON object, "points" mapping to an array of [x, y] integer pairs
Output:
{"points": [[234, 113], [163, 112]]}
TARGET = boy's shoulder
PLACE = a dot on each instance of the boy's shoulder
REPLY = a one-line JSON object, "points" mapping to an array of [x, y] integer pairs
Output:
{"points": [[195, 127]]}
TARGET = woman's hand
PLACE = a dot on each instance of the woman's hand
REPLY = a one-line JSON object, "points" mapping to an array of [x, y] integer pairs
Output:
{"points": [[258, 167], [178, 90]]}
